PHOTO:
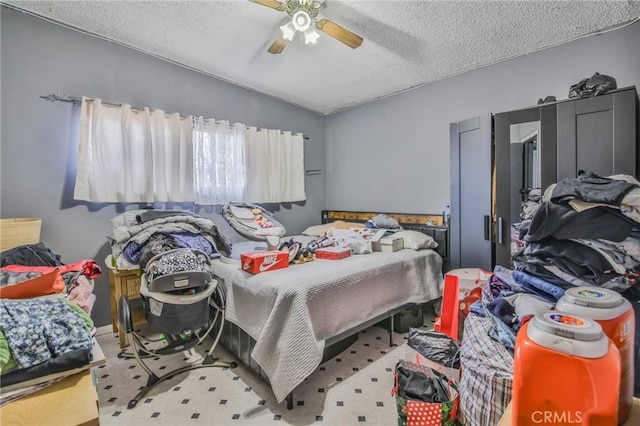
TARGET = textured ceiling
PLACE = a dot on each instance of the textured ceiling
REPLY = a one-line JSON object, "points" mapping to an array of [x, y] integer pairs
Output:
{"points": [[406, 43]]}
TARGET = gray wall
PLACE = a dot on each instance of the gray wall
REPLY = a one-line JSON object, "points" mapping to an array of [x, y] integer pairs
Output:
{"points": [[38, 149], [389, 155], [392, 155]]}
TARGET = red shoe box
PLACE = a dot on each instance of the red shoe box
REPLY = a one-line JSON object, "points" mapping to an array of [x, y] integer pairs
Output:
{"points": [[264, 261], [333, 253]]}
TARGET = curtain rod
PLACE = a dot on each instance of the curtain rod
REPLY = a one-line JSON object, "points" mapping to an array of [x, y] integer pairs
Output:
{"points": [[59, 97]]}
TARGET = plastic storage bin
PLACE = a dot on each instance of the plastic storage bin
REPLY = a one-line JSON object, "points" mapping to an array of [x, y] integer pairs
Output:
{"points": [[566, 371], [615, 315]]}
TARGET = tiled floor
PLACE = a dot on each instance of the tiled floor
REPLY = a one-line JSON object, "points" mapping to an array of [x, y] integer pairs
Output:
{"points": [[354, 388]]}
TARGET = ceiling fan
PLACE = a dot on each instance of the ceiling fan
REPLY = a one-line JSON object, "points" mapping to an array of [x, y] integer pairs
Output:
{"points": [[303, 15]]}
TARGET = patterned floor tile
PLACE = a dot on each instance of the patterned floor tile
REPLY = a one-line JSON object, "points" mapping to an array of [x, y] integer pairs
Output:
{"points": [[356, 390]]}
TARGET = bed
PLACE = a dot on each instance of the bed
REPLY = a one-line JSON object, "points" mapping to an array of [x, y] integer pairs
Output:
{"points": [[283, 324]]}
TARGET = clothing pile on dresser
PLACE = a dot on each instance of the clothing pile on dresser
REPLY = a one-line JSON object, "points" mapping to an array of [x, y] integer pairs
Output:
{"points": [[45, 308], [586, 232], [138, 235]]}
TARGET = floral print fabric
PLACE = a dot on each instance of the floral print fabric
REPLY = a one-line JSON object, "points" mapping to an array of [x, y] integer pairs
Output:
{"points": [[38, 330]]}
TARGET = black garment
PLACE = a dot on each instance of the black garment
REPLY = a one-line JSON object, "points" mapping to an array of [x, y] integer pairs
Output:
{"points": [[30, 255], [571, 258], [593, 189], [158, 243], [563, 222], [70, 360], [415, 385], [505, 312]]}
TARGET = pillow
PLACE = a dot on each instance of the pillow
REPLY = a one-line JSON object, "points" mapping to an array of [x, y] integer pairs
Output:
{"points": [[318, 230], [416, 240], [384, 221]]}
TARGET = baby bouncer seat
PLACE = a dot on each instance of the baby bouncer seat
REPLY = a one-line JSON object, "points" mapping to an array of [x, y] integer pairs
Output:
{"points": [[184, 304]]}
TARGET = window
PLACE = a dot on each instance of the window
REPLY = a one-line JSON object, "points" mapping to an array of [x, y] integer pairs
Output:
{"points": [[137, 155]]}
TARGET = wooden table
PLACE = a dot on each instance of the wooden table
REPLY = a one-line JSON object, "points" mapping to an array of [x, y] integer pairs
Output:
{"points": [[71, 401], [124, 283]]}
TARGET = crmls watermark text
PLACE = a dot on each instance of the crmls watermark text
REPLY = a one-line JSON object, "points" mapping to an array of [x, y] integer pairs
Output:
{"points": [[555, 417]]}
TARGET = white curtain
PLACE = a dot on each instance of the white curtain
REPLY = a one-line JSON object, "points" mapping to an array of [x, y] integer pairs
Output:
{"points": [[275, 166], [130, 155], [219, 161]]}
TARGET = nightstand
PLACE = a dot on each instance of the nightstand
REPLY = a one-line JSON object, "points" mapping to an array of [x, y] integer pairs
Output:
{"points": [[124, 283]]}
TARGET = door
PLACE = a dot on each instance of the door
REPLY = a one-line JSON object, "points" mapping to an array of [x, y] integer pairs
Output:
{"points": [[470, 228], [598, 134]]}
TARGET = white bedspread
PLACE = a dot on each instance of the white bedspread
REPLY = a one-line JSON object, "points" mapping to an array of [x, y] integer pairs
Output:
{"points": [[291, 312]]}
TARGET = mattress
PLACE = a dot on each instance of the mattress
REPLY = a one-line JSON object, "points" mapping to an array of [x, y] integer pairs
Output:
{"points": [[291, 312]]}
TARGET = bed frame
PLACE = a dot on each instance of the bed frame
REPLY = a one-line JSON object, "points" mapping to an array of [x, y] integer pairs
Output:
{"points": [[240, 344]]}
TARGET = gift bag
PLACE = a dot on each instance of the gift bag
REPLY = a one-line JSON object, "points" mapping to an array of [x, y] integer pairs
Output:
{"points": [[424, 397]]}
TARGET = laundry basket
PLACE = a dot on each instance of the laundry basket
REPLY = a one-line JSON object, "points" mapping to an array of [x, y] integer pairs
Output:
{"points": [[15, 232]]}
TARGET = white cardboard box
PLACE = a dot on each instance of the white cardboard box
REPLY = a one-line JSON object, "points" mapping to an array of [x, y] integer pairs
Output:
{"points": [[388, 244]]}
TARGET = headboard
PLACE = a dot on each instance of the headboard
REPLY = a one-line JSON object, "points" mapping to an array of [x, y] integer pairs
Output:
{"points": [[430, 224]]}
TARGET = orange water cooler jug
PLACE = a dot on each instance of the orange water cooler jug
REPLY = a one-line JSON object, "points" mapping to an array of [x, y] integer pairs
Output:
{"points": [[615, 315], [566, 372]]}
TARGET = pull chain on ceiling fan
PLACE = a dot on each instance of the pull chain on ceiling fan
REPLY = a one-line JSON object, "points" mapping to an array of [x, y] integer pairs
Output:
{"points": [[303, 15]]}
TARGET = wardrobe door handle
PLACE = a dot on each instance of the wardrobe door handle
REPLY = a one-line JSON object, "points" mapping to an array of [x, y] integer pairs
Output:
{"points": [[500, 226], [487, 227]]}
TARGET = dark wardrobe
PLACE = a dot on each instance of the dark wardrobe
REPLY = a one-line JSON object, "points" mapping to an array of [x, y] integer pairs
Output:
{"points": [[497, 160]]}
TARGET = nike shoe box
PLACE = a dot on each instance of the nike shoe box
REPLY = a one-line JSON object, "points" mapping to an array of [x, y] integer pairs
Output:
{"points": [[264, 261], [388, 244], [333, 253]]}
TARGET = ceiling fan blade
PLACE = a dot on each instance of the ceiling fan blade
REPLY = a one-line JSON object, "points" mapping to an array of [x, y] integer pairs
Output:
{"points": [[278, 45], [339, 33], [273, 4]]}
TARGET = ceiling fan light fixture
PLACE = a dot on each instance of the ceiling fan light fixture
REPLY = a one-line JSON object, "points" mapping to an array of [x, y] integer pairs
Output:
{"points": [[311, 36], [301, 20], [288, 31]]}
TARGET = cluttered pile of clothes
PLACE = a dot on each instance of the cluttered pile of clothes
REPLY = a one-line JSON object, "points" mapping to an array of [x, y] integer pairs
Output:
{"points": [[139, 235], [585, 232], [45, 323]]}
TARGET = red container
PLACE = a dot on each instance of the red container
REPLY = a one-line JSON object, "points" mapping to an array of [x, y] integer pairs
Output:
{"points": [[333, 253], [264, 261], [617, 319], [566, 372]]}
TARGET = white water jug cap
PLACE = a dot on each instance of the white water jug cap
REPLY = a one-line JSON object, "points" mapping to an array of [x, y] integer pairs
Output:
{"points": [[568, 333], [593, 297]]}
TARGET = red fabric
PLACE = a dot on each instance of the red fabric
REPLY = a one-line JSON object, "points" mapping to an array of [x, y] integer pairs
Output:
{"points": [[49, 283], [86, 267]]}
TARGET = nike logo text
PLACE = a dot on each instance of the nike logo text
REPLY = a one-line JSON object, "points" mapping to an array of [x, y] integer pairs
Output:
{"points": [[268, 263]]}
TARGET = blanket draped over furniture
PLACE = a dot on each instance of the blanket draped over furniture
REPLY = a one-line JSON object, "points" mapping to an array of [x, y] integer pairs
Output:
{"points": [[291, 312], [282, 322]]}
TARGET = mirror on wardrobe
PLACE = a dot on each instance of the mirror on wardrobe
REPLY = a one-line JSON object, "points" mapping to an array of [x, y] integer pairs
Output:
{"points": [[525, 173], [525, 165], [525, 159]]}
